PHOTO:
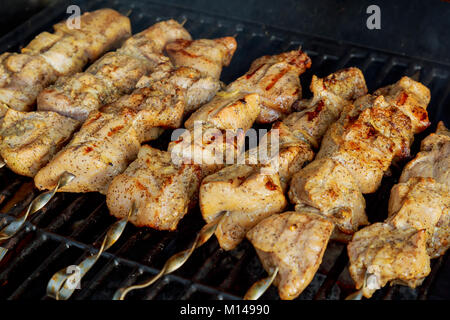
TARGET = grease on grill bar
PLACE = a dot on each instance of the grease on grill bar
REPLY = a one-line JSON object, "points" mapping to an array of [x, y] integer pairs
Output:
{"points": [[72, 226]]}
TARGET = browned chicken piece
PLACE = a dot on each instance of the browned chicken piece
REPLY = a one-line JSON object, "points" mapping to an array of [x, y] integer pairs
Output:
{"points": [[102, 149], [114, 75], [28, 140], [248, 195], [222, 111], [66, 51], [259, 193], [422, 198], [378, 129], [180, 90], [386, 254], [417, 227], [207, 56], [326, 185], [293, 242], [276, 79], [162, 191]]}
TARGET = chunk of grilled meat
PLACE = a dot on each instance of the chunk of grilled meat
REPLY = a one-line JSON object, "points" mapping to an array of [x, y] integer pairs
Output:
{"points": [[183, 89], [114, 75], [293, 242], [207, 56], [50, 55], [162, 191], [418, 224], [102, 149], [28, 140], [378, 129], [252, 191], [276, 79], [388, 254]]}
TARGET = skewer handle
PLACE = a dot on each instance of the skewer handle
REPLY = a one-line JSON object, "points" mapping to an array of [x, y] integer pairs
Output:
{"points": [[177, 260], [37, 204], [63, 284], [261, 286]]}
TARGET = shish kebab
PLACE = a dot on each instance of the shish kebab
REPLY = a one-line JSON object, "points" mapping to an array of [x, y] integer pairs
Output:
{"points": [[29, 140], [417, 229], [51, 55], [249, 192], [102, 126], [164, 184], [161, 100], [355, 153]]}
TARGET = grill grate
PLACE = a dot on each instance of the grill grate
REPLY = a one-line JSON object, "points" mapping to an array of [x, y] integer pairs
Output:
{"points": [[62, 233]]}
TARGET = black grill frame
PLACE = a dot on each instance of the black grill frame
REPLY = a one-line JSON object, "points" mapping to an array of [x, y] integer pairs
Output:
{"points": [[72, 226]]}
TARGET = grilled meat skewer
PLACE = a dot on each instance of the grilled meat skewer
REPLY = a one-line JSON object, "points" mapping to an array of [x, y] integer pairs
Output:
{"points": [[224, 122], [417, 228], [113, 75], [369, 135], [51, 55], [110, 138], [248, 191], [24, 140]]}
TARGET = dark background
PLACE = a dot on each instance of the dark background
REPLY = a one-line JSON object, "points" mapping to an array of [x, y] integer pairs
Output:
{"points": [[418, 28]]}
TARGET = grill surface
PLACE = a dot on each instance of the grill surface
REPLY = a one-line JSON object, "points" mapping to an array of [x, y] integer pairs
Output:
{"points": [[63, 232]]}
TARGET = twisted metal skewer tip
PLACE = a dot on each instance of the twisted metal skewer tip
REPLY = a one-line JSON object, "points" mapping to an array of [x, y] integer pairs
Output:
{"points": [[64, 283], [261, 286], [37, 204], [178, 259]]}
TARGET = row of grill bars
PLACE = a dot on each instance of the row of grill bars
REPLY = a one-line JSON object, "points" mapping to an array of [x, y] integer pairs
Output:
{"points": [[21, 245]]}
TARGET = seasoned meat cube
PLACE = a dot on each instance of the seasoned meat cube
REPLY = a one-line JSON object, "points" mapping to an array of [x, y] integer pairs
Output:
{"points": [[388, 254], [102, 149], [295, 243], [28, 140], [162, 191]]}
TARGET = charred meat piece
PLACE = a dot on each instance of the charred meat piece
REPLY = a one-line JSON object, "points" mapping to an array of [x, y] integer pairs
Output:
{"points": [[114, 75], [102, 149], [162, 191], [295, 243], [28, 140], [50, 55]]}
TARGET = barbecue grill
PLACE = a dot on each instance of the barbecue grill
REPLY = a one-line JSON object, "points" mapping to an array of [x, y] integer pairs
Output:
{"points": [[72, 226]]}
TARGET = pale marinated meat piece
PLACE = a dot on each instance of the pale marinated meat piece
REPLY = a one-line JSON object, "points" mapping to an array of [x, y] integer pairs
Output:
{"points": [[388, 254], [28, 140], [276, 79], [162, 191], [113, 75], [173, 92], [327, 186], [295, 243], [248, 195], [48, 56], [102, 149], [207, 56]]}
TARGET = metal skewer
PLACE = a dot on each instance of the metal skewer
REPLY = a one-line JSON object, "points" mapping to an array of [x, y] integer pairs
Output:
{"points": [[178, 259], [37, 204], [2, 163], [64, 282], [261, 286]]}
